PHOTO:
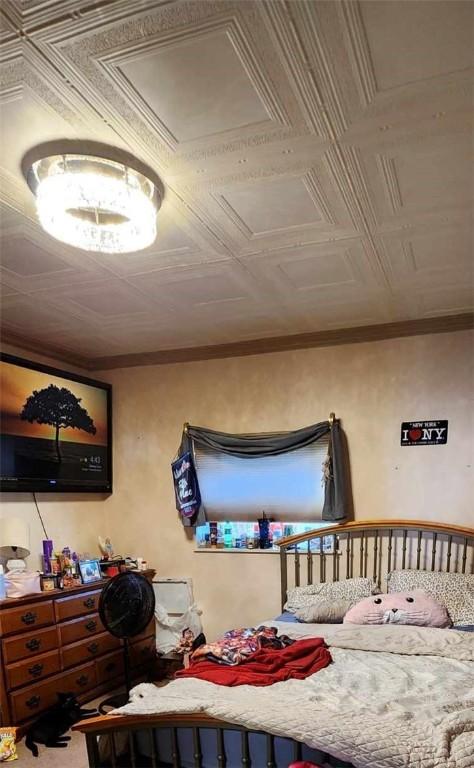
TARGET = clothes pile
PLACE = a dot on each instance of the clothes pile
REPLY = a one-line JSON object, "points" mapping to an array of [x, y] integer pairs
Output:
{"points": [[250, 656], [238, 644]]}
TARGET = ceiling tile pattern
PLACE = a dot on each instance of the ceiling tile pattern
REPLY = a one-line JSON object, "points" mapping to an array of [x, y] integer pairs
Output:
{"points": [[316, 157]]}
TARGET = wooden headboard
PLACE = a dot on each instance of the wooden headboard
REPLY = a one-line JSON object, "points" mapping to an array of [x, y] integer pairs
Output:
{"points": [[374, 548]]}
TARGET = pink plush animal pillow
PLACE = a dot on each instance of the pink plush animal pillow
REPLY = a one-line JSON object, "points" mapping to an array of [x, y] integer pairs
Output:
{"points": [[415, 607]]}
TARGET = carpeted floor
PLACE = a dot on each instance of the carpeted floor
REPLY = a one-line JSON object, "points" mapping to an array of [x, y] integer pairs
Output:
{"points": [[74, 756]]}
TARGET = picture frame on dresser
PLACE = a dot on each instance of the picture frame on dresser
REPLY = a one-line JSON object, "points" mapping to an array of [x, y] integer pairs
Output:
{"points": [[90, 571]]}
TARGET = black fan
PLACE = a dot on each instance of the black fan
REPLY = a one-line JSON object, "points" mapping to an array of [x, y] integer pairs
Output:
{"points": [[126, 607]]}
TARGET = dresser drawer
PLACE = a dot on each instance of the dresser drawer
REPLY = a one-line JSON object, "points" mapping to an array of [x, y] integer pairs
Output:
{"points": [[84, 650], [30, 616], [143, 652], [31, 701], [109, 666], [68, 607], [25, 646], [30, 670], [78, 629], [81, 679]]}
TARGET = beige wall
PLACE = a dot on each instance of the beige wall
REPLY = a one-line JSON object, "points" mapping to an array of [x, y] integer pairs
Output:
{"points": [[372, 387]]}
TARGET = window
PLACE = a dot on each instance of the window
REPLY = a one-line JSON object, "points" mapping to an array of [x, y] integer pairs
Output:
{"points": [[288, 487]]}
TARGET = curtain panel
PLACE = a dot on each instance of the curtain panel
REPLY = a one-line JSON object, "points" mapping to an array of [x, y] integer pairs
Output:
{"points": [[337, 502]]}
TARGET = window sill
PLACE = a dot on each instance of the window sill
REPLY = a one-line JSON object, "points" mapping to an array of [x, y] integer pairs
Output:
{"points": [[236, 550], [257, 551]]}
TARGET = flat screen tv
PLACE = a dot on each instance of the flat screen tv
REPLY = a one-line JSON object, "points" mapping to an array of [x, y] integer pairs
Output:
{"points": [[55, 429]]}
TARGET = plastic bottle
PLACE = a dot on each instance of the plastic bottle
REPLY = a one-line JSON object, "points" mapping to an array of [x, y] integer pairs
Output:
{"points": [[277, 530], [227, 535], [249, 534], [3, 589], [213, 533], [256, 536]]}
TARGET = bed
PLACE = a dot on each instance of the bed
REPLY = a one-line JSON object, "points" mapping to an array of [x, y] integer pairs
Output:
{"points": [[394, 695]]}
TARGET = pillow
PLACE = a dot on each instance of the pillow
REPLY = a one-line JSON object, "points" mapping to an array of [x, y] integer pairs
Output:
{"points": [[348, 589], [454, 590], [324, 612], [285, 616], [417, 607]]}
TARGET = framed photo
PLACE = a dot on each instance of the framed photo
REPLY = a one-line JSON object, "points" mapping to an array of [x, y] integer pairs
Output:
{"points": [[90, 571]]}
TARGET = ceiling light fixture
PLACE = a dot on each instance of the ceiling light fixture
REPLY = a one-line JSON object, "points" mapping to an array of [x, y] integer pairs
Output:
{"points": [[106, 202]]}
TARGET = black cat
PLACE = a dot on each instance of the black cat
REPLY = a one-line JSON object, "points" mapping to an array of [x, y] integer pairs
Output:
{"points": [[50, 728]]}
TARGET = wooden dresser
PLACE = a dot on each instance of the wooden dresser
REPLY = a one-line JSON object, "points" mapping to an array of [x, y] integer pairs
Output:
{"points": [[55, 642]]}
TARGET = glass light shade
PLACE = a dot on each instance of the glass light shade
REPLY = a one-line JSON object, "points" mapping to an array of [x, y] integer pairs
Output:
{"points": [[14, 537], [95, 204]]}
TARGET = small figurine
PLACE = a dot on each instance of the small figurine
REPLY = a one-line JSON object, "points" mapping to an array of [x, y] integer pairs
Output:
{"points": [[185, 644], [105, 546]]}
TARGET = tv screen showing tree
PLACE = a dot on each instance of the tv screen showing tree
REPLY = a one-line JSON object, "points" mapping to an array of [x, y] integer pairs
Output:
{"points": [[55, 429]]}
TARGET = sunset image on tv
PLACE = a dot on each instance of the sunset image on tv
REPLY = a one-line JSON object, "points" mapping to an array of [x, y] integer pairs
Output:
{"points": [[51, 427]]}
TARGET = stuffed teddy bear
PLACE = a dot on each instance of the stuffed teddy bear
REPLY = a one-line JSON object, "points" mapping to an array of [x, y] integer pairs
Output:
{"points": [[416, 607]]}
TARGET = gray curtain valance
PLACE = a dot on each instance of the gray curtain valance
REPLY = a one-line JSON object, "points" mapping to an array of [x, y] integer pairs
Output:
{"points": [[251, 445], [337, 496]]}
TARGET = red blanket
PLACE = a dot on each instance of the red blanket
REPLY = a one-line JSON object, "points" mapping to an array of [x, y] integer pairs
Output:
{"points": [[266, 666]]}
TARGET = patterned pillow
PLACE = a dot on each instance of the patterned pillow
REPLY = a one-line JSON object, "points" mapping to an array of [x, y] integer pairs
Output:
{"points": [[454, 590], [324, 611], [351, 590]]}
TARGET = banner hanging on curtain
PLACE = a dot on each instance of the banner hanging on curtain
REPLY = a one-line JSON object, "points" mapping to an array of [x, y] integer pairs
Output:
{"points": [[186, 486]]}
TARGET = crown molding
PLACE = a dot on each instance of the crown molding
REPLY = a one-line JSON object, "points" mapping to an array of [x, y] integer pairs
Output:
{"points": [[295, 341], [60, 354], [357, 335]]}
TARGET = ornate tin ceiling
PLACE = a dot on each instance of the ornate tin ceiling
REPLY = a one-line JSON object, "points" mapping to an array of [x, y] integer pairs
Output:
{"points": [[317, 158]]}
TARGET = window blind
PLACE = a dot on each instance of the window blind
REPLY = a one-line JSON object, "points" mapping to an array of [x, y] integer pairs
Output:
{"points": [[288, 487]]}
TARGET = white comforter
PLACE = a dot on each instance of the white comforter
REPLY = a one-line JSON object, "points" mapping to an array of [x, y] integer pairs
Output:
{"points": [[395, 697]]}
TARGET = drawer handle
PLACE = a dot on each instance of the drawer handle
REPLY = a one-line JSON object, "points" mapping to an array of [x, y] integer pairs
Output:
{"points": [[110, 666], [36, 670], [33, 644], [91, 625], [82, 680], [33, 702], [93, 647], [89, 603], [29, 618]]}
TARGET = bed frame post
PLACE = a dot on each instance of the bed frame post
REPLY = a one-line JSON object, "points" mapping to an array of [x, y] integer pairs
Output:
{"points": [[283, 576], [92, 750]]}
